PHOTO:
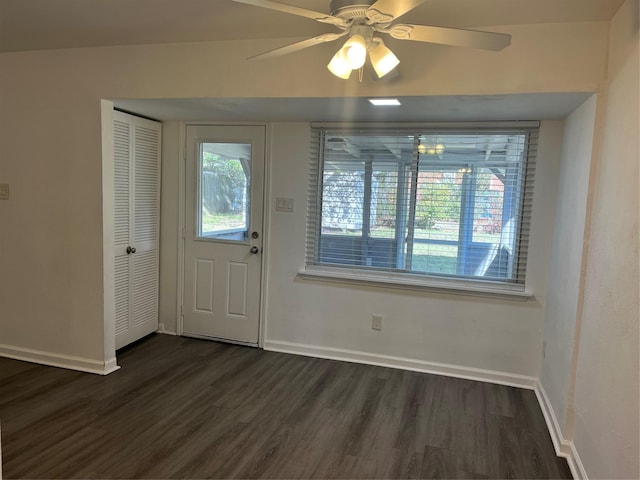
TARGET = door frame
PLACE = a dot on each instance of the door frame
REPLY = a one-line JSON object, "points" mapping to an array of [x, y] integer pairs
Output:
{"points": [[182, 214]]}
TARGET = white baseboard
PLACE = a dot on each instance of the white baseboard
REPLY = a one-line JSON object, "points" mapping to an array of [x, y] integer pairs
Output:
{"points": [[59, 360], [355, 356], [166, 332], [575, 464], [564, 448]]}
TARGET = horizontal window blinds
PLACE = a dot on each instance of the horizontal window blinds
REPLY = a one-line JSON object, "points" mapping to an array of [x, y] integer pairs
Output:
{"points": [[445, 202]]}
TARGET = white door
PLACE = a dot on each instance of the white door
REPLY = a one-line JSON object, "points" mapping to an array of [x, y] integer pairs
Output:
{"points": [[136, 226], [223, 234]]}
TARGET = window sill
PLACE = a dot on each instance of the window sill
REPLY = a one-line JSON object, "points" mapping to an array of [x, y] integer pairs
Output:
{"points": [[415, 282]]}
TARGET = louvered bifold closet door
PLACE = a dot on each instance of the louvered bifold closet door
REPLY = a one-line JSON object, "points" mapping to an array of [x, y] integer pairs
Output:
{"points": [[122, 222], [137, 192], [146, 191]]}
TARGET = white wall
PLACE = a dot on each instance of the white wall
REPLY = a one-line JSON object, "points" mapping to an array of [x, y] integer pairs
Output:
{"points": [[565, 279], [468, 332], [51, 287], [471, 332], [606, 430]]}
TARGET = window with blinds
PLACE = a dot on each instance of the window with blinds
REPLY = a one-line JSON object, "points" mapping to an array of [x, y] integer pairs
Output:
{"points": [[441, 202]]}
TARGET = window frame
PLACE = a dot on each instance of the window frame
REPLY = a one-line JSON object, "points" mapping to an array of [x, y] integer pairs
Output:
{"points": [[406, 278]]}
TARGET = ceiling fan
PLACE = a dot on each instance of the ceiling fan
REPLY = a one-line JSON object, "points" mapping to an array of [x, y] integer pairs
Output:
{"points": [[361, 20]]}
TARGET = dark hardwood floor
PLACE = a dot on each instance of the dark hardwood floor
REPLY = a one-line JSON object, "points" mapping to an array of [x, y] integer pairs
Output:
{"points": [[183, 408]]}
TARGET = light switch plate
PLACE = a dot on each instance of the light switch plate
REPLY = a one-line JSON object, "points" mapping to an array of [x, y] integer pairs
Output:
{"points": [[284, 204], [4, 191]]}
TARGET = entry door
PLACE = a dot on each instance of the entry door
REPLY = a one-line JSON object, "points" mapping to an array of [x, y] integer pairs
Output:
{"points": [[223, 237]]}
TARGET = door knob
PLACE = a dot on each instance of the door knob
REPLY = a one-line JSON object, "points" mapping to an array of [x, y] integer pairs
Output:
{"points": [[131, 250], [254, 250]]}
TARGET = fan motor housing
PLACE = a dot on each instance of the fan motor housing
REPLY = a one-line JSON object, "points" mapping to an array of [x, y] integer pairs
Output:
{"points": [[350, 9]]}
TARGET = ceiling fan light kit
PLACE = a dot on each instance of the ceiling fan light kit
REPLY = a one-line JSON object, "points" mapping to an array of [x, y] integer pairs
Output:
{"points": [[356, 51], [339, 65], [353, 55], [382, 59], [360, 19]]}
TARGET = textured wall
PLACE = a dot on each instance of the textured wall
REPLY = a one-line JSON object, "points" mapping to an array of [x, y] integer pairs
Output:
{"points": [[606, 398], [565, 271]]}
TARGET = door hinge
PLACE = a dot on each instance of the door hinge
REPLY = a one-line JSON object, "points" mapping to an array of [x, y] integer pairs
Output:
{"points": [[184, 233]]}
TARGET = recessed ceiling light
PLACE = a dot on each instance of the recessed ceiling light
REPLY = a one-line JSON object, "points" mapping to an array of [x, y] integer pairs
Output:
{"points": [[385, 102]]}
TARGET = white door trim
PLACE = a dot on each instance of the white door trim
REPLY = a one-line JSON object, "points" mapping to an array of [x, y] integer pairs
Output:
{"points": [[266, 221], [108, 267], [182, 213]]}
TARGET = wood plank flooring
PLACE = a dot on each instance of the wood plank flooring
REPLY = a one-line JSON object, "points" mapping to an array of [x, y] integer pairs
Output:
{"points": [[184, 408]]}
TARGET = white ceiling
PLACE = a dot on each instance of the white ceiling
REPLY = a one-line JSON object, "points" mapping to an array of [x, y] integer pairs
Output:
{"points": [[47, 24], [52, 24], [358, 109]]}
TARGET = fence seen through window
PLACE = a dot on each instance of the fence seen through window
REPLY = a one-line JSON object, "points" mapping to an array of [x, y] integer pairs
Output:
{"points": [[224, 185]]}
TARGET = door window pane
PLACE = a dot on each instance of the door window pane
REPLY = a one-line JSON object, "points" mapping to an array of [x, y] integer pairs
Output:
{"points": [[224, 183]]}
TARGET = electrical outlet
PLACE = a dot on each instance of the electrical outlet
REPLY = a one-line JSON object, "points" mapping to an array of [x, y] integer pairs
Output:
{"points": [[376, 322], [4, 191]]}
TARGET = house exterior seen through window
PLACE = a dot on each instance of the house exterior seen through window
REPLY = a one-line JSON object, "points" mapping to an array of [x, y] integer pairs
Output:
{"points": [[445, 203]]}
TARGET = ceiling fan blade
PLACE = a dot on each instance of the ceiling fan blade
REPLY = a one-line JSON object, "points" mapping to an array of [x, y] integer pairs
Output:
{"points": [[302, 12], [294, 47], [385, 11], [450, 36]]}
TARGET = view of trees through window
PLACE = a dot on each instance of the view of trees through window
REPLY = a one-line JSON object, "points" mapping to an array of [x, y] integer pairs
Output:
{"points": [[223, 186], [454, 212]]}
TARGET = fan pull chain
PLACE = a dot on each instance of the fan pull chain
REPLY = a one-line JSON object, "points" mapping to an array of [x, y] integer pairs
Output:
{"points": [[360, 74]]}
